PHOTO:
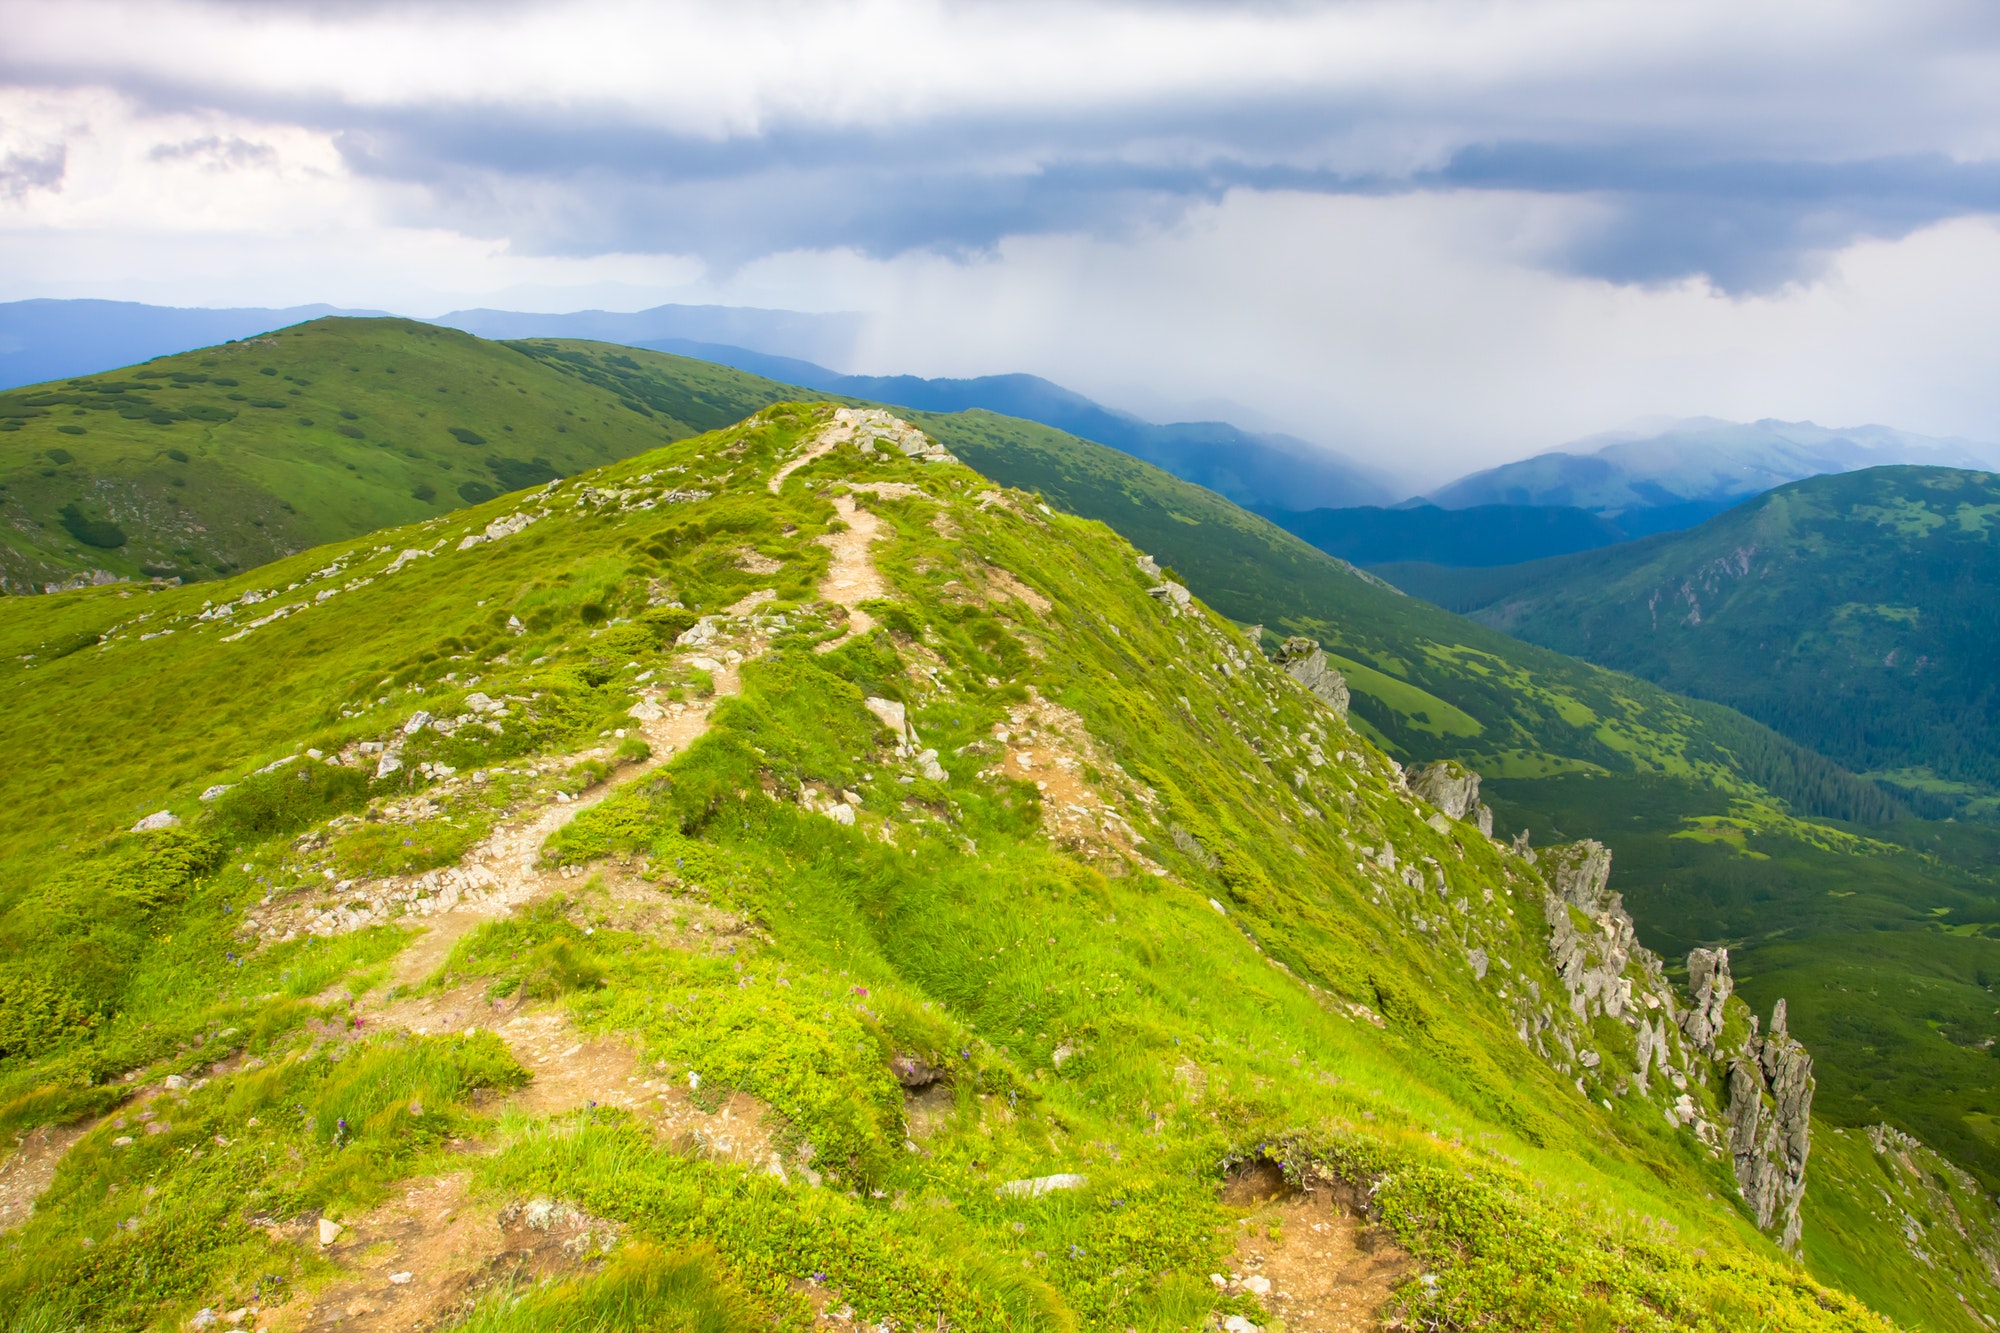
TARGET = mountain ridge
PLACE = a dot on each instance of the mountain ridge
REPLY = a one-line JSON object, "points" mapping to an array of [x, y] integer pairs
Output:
{"points": [[910, 1104]]}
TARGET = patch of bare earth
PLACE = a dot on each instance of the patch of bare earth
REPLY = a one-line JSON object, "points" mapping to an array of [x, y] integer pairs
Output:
{"points": [[1048, 745], [420, 1260], [1327, 1270], [26, 1174], [851, 576]]}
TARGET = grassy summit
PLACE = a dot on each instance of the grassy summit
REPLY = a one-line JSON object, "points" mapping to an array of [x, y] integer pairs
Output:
{"points": [[963, 931], [195, 465]]}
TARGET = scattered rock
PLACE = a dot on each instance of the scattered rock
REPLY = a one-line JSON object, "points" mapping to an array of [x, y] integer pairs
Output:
{"points": [[329, 1231], [499, 528], [928, 765], [914, 1072], [159, 819], [217, 790], [699, 633], [203, 1318], [897, 719]]}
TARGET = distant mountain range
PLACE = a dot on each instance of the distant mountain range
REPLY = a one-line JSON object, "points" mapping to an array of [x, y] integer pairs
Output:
{"points": [[1253, 469], [1699, 463], [49, 340], [1593, 493]]}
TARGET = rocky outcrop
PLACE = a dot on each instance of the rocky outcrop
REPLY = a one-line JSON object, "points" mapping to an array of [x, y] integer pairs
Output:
{"points": [[1709, 985], [1305, 661], [1763, 1083], [1454, 789], [1770, 1125], [1590, 955]]}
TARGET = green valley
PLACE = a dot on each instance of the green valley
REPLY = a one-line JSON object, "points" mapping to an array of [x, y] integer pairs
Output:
{"points": [[1854, 613]]}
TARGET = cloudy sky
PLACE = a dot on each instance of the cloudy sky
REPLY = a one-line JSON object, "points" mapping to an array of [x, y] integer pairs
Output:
{"points": [[1430, 233]]}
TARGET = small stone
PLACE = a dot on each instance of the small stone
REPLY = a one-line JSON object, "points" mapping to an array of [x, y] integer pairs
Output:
{"points": [[215, 791], [159, 819], [1040, 1185], [1236, 1323], [388, 764], [400, 1279], [122, 1141], [1257, 1285], [329, 1231], [203, 1318], [841, 814], [173, 1083], [418, 721]]}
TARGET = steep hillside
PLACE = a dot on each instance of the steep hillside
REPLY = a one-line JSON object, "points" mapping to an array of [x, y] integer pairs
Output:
{"points": [[782, 879], [194, 465], [1857, 614]]}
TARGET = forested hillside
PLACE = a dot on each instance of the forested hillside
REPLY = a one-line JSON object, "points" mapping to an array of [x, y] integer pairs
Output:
{"points": [[1858, 614]]}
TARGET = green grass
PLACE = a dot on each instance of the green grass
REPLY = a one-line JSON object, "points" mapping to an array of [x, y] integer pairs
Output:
{"points": [[1088, 1016]]}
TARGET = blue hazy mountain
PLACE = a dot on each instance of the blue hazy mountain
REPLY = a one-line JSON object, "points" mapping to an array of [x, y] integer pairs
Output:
{"points": [[52, 340], [1256, 470], [1698, 464]]}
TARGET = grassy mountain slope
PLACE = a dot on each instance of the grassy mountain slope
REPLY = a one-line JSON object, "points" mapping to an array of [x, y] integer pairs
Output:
{"points": [[1559, 740], [775, 1019], [1857, 614], [197, 464]]}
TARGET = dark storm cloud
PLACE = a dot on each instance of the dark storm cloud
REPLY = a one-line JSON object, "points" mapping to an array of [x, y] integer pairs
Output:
{"points": [[1670, 210], [1747, 160]]}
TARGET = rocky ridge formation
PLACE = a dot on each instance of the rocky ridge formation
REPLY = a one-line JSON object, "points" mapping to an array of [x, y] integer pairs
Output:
{"points": [[1620, 1027]]}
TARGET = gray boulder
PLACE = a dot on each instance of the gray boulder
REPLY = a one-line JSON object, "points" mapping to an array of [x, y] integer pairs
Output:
{"points": [[1454, 789], [1305, 662]]}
